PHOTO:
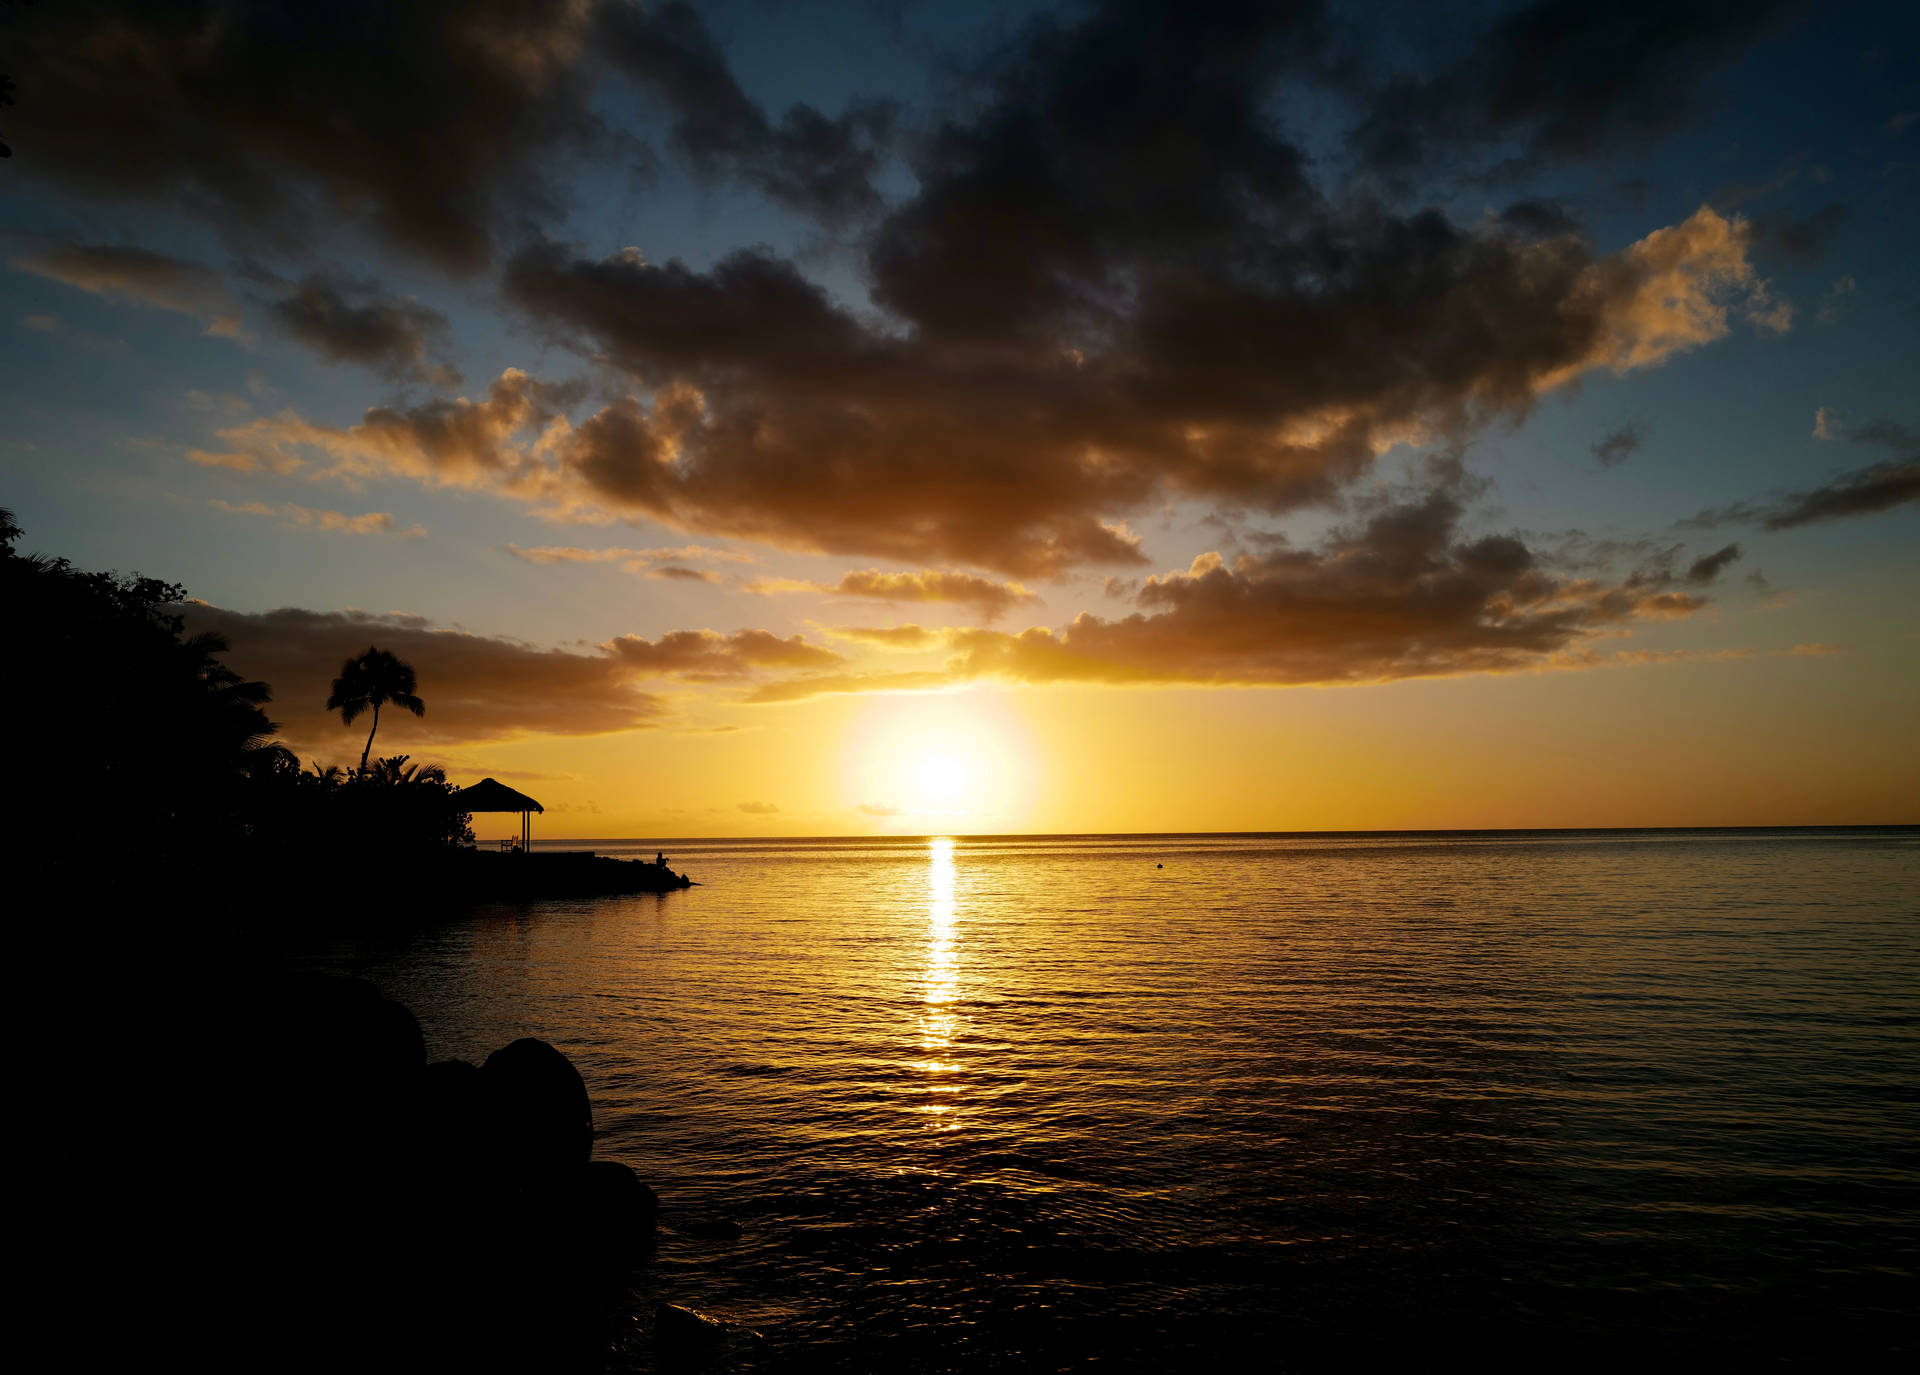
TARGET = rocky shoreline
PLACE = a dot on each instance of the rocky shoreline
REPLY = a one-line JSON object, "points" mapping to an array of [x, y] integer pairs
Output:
{"points": [[433, 1216], [514, 877]]}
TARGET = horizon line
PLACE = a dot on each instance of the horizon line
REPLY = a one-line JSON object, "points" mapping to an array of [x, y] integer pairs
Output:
{"points": [[1156, 835]]}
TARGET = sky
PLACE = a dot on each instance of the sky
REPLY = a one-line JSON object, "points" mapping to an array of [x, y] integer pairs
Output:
{"points": [[763, 418]]}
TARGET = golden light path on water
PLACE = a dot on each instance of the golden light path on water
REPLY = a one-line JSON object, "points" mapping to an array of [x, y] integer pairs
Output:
{"points": [[941, 982]]}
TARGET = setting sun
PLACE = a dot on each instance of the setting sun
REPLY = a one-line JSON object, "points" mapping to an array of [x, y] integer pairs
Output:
{"points": [[940, 760]]}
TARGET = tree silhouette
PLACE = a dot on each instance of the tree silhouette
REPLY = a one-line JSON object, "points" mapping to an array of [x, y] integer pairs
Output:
{"points": [[370, 681]]}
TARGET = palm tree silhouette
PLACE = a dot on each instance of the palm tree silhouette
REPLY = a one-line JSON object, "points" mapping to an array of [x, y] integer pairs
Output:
{"points": [[371, 680]]}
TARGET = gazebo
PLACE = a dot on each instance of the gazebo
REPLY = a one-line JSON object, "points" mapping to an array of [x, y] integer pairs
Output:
{"points": [[489, 796]]}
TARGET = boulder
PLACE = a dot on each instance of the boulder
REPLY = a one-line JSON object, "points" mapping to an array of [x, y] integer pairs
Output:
{"points": [[616, 1204], [542, 1123]]}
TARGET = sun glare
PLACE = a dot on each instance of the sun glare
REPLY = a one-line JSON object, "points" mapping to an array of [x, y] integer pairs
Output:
{"points": [[939, 780], [938, 761]]}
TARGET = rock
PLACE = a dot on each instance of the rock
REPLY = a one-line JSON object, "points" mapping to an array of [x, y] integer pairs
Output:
{"points": [[616, 1205], [542, 1121], [710, 1228], [455, 1126], [674, 1326]]}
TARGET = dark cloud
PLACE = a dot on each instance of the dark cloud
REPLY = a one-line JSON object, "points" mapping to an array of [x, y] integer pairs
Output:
{"points": [[1551, 81], [1235, 366], [476, 687], [1703, 570], [759, 808], [1862, 492], [1538, 219], [1113, 285], [440, 124], [822, 166], [392, 334], [1618, 445], [430, 120], [1806, 241], [1403, 595], [1884, 431]]}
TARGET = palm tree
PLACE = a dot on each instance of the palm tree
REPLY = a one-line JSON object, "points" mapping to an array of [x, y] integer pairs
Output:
{"points": [[371, 680]]}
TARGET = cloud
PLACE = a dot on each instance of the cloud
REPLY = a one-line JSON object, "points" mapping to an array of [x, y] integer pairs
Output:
{"points": [[889, 636], [1806, 241], [1403, 595], [391, 334], [877, 809], [1619, 444], [121, 272], [632, 560], [1861, 491], [1816, 650], [441, 443], [1549, 81], [821, 166], [372, 523], [777, 416], [1110, 283], [707, 655], [268, 120], [759, 809], [476, 687], [1708, 567], [990, 598], [676, 573]]}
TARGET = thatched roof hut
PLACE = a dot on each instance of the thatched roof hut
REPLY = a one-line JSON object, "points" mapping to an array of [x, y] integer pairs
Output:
{"points": [[490, 796]]}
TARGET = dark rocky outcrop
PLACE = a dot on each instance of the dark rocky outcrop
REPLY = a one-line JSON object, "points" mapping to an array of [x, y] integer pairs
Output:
{"points": [[491, 876], [541, 1121], [365, 1209]]}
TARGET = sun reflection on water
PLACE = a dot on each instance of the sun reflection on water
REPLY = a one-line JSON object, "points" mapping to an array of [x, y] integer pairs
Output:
{"points": [[941, 978]]}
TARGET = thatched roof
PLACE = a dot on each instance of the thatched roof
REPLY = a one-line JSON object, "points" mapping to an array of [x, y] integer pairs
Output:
{"points": [[489, 796]]}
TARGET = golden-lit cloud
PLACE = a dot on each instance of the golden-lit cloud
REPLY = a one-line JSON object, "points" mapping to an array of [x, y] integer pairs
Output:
{"points": [[631, 560], [1403, 595], [371, 523], [902, 637], [990, 598], [141, 277]]}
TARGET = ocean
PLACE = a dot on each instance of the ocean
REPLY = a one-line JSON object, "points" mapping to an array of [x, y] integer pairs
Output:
{"points": [[1093, 1102]]}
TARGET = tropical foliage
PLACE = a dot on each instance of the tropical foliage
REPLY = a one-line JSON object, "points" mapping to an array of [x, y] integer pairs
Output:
{"points": [[119, 719]]}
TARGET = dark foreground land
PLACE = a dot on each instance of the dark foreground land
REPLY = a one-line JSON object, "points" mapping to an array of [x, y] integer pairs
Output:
{"points": [[319, 1197]]}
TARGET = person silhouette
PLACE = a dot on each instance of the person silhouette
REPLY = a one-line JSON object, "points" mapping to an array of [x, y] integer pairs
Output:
{"points": [[659, 859]]}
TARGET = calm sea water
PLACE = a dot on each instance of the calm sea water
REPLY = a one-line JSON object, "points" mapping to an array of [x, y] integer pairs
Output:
{"points": [[1040, 1103]]}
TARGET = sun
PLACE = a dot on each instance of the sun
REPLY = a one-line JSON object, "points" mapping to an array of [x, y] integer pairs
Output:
{"points": [[931, 762], [939, 781]]}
